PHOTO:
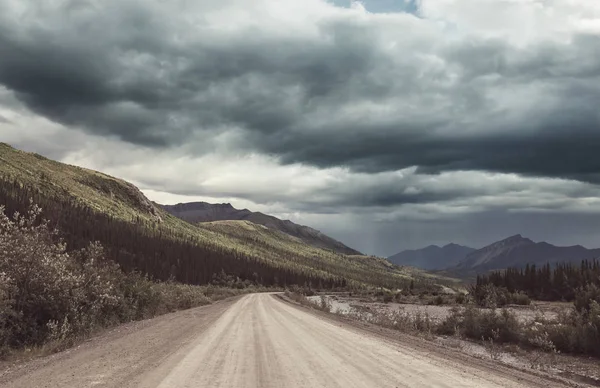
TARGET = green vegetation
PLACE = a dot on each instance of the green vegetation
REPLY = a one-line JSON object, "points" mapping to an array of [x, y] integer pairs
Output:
{"points": [[491, 296], [562, 282], [51, 296], [576, 331], [89, 206], [80, 250]]}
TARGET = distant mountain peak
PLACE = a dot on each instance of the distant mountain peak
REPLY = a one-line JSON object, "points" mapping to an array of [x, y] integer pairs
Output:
{"points": [[451, 245], [516, 237], [432, 257], [518, 251]]}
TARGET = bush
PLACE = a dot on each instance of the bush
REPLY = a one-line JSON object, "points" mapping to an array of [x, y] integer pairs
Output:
{"points": [[584, 298], [49, 294], [324, 304], [519, 298], [474, 323], [490, 296], [577, 331], [574, 332]]}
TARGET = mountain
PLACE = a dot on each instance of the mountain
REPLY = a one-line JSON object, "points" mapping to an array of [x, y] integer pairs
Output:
{"points": [[432, 257], [518, 251], [86, 205], [195, 212]]}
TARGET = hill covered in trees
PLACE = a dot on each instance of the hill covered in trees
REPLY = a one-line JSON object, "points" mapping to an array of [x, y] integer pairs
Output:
{"points": [[87, 206], [195, 212]]}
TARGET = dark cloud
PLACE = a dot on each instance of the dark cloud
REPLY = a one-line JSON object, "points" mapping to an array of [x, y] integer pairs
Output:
{"points": [[297, 97], [565, 148], [321, 88]]}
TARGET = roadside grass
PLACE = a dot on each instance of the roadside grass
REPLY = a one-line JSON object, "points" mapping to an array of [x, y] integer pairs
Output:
{"points": [[574, 332]]}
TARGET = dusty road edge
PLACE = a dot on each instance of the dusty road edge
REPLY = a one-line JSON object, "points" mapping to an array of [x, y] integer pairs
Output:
{"points": [[14, 369], [529, 376]]}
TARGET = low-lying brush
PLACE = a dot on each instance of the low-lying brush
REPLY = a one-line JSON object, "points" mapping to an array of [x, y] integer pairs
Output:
{"points": [[491, 296], [486, 325], [322, 304], [574, 332], [577, 331], [49, 295]]}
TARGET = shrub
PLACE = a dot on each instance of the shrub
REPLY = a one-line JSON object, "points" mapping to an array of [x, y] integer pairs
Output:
{"points": [[452, 324], [577, 331], [490, 296], [485, 296], [584, 298], [49, 289], [460, 298], [487, 325], [324, 304], [49, 294], [519, 298]]}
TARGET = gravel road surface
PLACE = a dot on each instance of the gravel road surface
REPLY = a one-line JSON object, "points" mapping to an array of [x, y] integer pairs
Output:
{"points": [[257, 340]]}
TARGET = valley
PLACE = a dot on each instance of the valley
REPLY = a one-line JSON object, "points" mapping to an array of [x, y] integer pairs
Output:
{"points": [[157, 259]]}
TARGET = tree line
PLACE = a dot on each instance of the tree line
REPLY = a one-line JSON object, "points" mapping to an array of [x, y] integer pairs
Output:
{"points": [[154, 249], [552, 283]]}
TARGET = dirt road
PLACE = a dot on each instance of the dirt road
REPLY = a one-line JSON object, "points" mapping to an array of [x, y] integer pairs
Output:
{"points": [[255, 341]]}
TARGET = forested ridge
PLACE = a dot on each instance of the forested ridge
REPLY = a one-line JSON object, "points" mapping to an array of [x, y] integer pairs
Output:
{"points": [[559, 282], [150, 247], [88, 206]]}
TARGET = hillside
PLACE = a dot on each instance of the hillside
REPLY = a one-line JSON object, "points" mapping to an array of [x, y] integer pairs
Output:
{"points": [[195, 212], [517, 251], [432, 257], [87, 205]]}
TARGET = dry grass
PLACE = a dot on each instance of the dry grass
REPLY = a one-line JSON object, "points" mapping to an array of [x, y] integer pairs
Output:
{"points": [[542, 334]]}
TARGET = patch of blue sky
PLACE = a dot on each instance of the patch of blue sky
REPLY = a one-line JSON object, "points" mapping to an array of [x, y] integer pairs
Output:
{"points": [[383, 6]]}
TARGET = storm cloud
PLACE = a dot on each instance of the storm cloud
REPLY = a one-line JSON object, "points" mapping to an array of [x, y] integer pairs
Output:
{"points": [[418, 109]]}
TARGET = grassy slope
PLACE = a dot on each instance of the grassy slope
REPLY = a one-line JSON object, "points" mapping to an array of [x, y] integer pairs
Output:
{"points": [[107, 194]]}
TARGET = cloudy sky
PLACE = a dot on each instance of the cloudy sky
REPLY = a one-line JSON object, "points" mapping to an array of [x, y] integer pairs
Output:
{"points": [[387, 124]]}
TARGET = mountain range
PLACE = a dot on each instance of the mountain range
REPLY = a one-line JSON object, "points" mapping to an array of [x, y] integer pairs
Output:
{"points": [[515, 251], [518, 251], [432, 257], [195, 212]]}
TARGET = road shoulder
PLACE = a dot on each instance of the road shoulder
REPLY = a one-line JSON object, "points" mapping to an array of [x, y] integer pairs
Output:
{"points": [[116, 356], [532, 378]]}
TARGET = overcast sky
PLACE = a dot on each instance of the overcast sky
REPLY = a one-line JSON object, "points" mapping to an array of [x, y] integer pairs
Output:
{"points": [[387, 124]]}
